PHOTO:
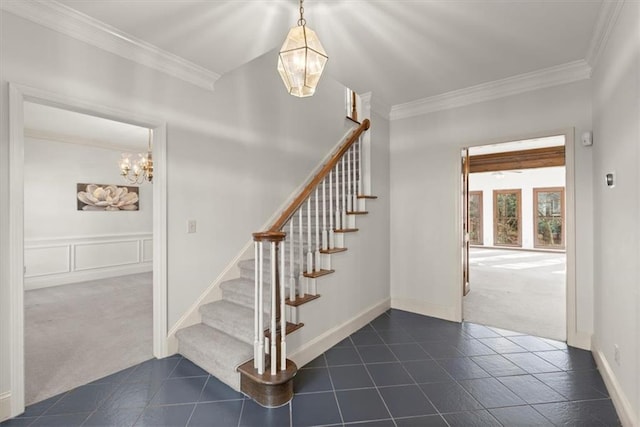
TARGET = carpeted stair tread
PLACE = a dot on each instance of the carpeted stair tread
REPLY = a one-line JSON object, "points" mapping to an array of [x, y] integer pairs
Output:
{"points": [[214, 351], [233, 319], [248, 270], [240, 291]]}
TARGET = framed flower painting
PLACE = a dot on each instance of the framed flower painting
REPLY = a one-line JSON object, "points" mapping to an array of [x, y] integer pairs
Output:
{"points": [[102, 197]]}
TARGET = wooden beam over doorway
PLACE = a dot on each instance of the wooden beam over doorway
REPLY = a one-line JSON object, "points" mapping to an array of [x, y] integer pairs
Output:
{"points": [[523, 159]]}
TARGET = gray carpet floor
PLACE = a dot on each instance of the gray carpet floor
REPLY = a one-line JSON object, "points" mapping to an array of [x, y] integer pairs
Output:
{"points": [[77, 333], [518, 290]]}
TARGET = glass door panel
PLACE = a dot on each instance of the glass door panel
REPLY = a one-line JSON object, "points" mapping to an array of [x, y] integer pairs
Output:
{"points": [[507, 213]]}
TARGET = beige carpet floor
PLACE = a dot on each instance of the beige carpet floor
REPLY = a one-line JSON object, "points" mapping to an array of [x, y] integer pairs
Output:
{"points": [[77, 333], [518, 290]]}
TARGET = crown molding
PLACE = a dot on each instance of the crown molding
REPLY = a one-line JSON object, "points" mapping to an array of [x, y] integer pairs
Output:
{"points": [[66, 20], [547, 77], [607, 18], [87, 142]]}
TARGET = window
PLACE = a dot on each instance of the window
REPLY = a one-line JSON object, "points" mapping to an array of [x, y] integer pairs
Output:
{"points": [[506, 213], [548, 217], [475, 217]]}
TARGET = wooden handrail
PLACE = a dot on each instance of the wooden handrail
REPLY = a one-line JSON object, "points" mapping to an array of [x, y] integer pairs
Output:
{"points": [[268, 236], [328, 167]]}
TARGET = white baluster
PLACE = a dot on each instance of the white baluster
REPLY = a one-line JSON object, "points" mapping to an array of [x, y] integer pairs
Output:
{"points": [[331, 237], [260, 311], [349, 190], [343, 213], [301, 243], [256, 307], [338, 214], [283, 318], [325, 243], [292, 272], [354, 203], [274, 331], [309, 252], [360, 183], [316, 264]]}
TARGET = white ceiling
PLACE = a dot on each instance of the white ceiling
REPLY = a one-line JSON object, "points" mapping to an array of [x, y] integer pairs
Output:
{"points": [[401, 50]]}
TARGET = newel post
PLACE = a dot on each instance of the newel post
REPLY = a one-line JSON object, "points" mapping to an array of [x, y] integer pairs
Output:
{"points": [[275, 344], [268, 378]]}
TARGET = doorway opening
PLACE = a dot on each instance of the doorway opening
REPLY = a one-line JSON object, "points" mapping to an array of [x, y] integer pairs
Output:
{"points": [[514, 209], [88, 251], [20, 100]]}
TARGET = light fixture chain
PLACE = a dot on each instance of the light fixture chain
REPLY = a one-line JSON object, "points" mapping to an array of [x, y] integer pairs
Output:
{"points": [[302, 22]]}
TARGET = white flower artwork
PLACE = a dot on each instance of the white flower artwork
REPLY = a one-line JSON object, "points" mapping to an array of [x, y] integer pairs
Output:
{"points": [[99, 197]]}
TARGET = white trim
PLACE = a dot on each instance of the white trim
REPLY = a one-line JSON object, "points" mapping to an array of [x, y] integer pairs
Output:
{"points": [[69, 139], [527, 82], [366, 108], [144, 256], [607, 18], [18, 94], [5, 406], [70, 273], [575, 337], [51, 280], [160, 301], [620, 400], [426, 308], [75, 266], [95, 238], [16, 254], [66, 20], [322, 343]]}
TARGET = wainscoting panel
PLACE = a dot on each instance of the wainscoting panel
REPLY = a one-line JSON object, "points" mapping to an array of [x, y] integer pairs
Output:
{"points": [[53, 262], [89, 256], [147, 250], [46, 260]]}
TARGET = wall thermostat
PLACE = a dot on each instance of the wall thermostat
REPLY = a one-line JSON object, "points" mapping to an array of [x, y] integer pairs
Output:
{"points": [[587, 139]]}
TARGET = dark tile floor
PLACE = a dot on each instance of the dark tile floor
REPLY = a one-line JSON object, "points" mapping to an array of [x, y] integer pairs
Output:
{"points": [[401, 369]]}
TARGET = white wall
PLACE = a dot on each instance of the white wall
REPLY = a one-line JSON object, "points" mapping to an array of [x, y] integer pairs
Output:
{"points": [[234, 155], [64, 245], [425, 191], [616, 121], [52, 170], [526, 182]]}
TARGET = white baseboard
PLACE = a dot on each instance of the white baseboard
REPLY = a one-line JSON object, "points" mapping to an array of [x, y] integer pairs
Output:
{"points": [[84, 276], [322, 343], [5, 406], [425, 308], [620, 401]]}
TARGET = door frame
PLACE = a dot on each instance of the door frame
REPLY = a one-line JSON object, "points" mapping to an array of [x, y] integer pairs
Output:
{"points": [[18, 94], [575, 337]]}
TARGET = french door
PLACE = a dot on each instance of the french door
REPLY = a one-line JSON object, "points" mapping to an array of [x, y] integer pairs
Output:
{"points": [[465, 222]]}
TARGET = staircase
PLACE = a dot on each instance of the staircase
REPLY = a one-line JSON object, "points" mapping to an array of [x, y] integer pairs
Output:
{"points": [[233, 341]]}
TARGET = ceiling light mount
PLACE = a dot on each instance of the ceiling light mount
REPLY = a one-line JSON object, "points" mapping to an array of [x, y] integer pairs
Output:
{"points": [[302, 59]]}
